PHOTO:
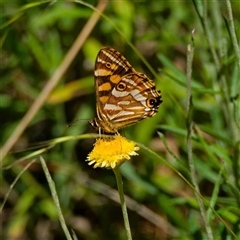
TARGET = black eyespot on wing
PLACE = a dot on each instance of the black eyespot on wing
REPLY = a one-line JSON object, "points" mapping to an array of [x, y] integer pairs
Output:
{"points": [[151, 102], [121, 86], [108, 64]]}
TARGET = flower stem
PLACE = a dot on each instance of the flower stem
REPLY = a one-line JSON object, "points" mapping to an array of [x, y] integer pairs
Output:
{"points": [[123, 202]]}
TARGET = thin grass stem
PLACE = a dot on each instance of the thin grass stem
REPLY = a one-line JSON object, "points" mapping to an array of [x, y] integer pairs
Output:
{"points": [[55, 198], [14, 182], [235, 129], [123, 202], [190, 54], [233, 33]]}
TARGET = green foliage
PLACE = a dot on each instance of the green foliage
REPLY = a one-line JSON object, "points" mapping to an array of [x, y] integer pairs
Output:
{"points": [[36, 37]]}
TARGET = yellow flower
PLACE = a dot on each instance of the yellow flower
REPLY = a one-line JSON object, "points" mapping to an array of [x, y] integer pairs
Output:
{"points": [[111, 152]]}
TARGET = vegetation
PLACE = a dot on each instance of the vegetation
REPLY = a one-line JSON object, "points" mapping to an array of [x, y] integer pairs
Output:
{"points": [[185, 182]]}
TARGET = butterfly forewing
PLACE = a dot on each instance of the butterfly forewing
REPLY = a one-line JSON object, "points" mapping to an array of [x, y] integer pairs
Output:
{"points": [[110, 67], [124, 96]]}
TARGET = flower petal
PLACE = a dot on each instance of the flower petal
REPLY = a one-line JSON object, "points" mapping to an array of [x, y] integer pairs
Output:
{"points": [[111, 152]]}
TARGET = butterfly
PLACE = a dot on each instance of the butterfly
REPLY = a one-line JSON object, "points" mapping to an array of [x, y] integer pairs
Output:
{"points": [[123, 95]]}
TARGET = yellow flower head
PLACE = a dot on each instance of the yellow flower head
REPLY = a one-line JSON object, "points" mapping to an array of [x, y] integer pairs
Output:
{"points": [[111, 152]]}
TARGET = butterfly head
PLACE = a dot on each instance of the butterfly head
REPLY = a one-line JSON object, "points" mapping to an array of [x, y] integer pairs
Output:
{"points": [[94, 123]]}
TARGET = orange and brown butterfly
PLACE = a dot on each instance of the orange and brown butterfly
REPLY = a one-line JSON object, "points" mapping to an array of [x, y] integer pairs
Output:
{"points": [[123, 95]]}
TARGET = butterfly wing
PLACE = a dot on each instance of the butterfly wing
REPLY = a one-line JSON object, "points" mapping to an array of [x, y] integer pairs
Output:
{"points": [[123, 95], [133, 99]]}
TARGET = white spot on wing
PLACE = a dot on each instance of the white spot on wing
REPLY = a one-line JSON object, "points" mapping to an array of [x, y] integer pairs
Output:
{"points": [[117, 94], [97, 72], [127, 80], [135, 108], [124, 102], [112, 107], [125, 113], [121, 115], [127, 117], [101, 60], [136, 92]]}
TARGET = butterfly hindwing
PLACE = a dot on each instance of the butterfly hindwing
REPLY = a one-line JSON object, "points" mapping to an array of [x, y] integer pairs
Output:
{"points": [[137, 98]]}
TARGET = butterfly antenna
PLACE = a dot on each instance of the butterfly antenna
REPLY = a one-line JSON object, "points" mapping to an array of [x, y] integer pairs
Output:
{"points": [[76, 122]]}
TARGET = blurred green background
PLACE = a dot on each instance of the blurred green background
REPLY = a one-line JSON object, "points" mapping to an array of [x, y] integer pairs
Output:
{"points": [[35, 38]]}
